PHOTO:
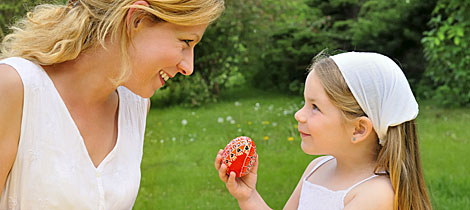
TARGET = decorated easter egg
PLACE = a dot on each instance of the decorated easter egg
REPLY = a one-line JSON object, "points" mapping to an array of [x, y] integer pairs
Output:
{"points": [[240, 155]]}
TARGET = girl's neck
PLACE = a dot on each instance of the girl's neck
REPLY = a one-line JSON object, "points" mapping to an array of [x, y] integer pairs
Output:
{"points": [[358, 158], [359, 164]]}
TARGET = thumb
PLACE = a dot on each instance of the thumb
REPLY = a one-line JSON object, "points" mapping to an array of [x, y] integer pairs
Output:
{"points": [[231, 183]]}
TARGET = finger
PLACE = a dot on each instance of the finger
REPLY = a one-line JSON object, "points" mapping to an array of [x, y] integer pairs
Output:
{"points": [[223, 173], [255, 166], [218, 160]]}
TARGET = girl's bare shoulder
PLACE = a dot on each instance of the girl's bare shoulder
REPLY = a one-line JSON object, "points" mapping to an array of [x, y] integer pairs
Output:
{"points": [[376, 193]]}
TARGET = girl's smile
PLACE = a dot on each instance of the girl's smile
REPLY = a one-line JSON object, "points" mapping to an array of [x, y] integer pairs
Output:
{"points": [[303, 135]]}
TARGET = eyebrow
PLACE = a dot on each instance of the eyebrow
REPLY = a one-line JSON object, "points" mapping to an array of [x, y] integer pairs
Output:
{"points": [[198, 38], [311, 99]]}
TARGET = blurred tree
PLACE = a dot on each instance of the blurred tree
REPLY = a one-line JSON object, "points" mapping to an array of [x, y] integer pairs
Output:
{"points": [[392, 28], [446, 47], [11, 10]]}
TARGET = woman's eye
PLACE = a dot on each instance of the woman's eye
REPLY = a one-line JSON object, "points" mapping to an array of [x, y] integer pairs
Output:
{"points": [[187, 41]]}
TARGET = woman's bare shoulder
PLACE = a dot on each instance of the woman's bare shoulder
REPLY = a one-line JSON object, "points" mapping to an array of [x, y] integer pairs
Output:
{"points": [[11, 107], [11, 86]]}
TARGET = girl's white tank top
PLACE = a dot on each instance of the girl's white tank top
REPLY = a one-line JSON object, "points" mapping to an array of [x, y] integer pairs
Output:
{"points": [[316, 197], [53, 170]]}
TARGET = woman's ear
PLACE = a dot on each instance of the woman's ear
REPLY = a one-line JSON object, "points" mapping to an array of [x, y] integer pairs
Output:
{"points": [[131, 21], [362, 129]]}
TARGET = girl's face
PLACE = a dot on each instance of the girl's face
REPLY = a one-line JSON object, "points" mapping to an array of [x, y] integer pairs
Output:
{"points": [[319, 121], [158, 52]]}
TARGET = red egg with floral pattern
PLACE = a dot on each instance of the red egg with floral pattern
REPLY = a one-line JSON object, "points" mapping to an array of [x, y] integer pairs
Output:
{"points": [[240, 155]]}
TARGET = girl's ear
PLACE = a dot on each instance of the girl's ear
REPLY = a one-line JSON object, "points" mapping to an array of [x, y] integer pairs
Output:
{"points": [[362, 129], [130, 19]]}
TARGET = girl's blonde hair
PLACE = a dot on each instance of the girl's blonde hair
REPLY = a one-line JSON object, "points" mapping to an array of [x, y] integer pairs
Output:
{"points": [[399, 156], [56, 33]]}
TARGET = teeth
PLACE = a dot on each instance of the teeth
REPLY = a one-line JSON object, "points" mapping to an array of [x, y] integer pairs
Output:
{"points": [[164, 75]]}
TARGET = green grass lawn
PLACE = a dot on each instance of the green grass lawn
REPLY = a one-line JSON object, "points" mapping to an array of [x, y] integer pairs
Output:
{"points": [[181, 144]]}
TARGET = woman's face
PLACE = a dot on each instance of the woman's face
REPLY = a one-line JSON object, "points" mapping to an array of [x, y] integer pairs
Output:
{"points": [[158, 52], [320, 121]]}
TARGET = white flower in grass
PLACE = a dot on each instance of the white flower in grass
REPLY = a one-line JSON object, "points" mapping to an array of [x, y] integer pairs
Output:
{"points": [[285, 112], [220, 120], [161, 141], [193, 113], [191, 139], [239, 130], [257, 104], [173, 138], [270, 108], [229, 118], [274, 124], [204, 129], [184, 122], [232, 122], [237, 103]]}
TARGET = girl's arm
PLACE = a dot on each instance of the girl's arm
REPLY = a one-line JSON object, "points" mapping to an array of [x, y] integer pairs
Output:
{"points": [[11, 107], [242, 188]]}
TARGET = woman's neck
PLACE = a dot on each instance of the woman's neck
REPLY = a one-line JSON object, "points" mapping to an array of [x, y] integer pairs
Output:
{"points": [[86, 80]]}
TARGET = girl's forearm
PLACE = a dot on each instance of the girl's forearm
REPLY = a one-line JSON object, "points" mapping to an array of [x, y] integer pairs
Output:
{"points": [[255, 202]]}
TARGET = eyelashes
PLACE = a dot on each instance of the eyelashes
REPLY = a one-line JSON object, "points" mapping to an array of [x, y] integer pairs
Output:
{"points": [[187, 41], [315, 107]]}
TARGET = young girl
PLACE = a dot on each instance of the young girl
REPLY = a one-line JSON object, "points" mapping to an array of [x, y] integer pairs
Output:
{"points": [[359, 111], [74, 86]]}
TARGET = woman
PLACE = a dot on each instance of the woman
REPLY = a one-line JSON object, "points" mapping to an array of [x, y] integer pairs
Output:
{"points": [[74, 83]]}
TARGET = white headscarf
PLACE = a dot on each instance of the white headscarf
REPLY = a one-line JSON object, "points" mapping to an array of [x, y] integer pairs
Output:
{"points": [[380, 88]]}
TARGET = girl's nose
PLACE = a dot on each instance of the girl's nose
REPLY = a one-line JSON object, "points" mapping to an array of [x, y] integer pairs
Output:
{"points": [[186, 66], [300, 117]]}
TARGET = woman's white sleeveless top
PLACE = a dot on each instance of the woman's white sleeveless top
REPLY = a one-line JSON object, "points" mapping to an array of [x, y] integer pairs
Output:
{"points": [[316, 197], [53, 170]]}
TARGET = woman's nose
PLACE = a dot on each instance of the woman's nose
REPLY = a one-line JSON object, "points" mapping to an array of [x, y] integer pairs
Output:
{"points": [[186, 66]]}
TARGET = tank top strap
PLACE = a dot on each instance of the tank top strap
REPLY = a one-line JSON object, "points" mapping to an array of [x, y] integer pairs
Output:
{"points": [[360, 182], [320, 163], [29, 72]]}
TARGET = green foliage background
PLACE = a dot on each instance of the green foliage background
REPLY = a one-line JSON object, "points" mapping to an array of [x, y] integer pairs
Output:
{"points": [[446, 47], [269, 43]]}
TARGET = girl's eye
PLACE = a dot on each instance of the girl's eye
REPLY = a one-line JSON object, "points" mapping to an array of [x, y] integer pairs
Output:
{"points": [[187, 41], [315, 107]]}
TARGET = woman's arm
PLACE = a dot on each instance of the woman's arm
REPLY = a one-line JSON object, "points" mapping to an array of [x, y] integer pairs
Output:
{"points": [[11, 107]]}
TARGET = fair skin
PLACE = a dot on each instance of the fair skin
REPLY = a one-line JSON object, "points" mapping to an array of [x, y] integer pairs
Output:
{"points": [[85, 87], [325, 132]]}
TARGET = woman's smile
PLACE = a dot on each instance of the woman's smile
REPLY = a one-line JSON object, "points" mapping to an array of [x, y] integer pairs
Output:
{"points": [[164, 77]]}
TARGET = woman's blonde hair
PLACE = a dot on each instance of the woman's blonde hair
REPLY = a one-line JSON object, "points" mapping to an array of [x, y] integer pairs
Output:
{"points": [[399, 156], [56, 33]]}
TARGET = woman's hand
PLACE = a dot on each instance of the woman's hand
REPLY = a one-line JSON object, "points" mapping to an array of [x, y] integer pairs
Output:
{"points": [[241, 188]]}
